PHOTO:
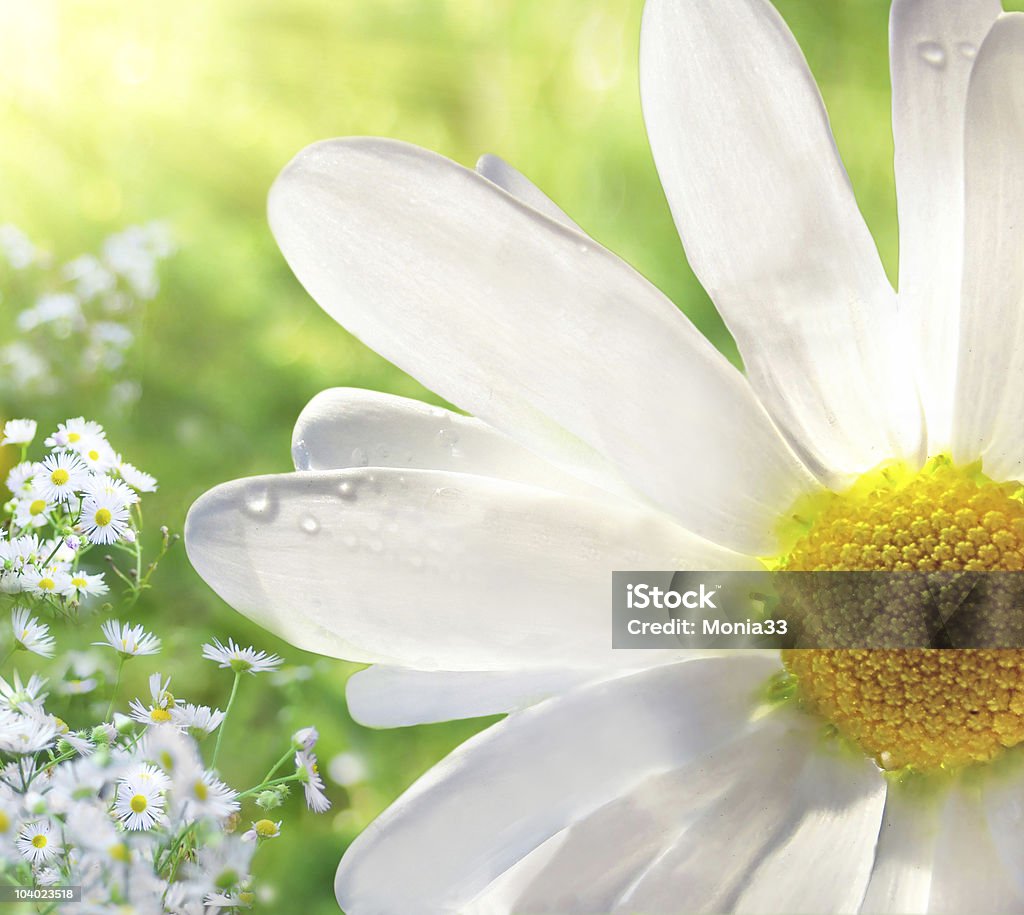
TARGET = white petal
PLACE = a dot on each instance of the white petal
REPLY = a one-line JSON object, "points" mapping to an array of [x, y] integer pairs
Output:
{"points": [[353, 427], [518, 185], [828, 838], [508, 790], [1003, 801], [771, 228], [539, 332], [430, 569], [989, 418], [969, 875], [391, 697], [933, 44], [901, 876], [679, 841]]}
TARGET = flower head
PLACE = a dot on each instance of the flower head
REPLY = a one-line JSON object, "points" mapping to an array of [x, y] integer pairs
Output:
{"points": [[127, 640], [39, 841], [240, 660], [18, 432], [30, 634]]}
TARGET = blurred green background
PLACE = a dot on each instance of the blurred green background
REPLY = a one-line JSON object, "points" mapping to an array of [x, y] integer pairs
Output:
{"points": [[116, 113]]}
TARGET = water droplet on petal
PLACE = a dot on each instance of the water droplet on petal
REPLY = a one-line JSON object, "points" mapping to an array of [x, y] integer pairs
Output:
{"points": [[258, 500], [968, 50], [932, 53], [347, 490], [448, 439], [309, 524], [300, 455], [359, 458]]}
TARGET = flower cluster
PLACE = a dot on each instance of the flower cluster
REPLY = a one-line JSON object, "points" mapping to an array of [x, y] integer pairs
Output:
{"points": [[80, 495], [75, 325], [128, 808]]}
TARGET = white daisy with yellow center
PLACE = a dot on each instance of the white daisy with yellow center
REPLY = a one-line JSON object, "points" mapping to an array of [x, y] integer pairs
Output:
{"points": [[608, 434]]}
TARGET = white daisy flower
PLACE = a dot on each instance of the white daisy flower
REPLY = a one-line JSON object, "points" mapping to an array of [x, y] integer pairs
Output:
{"points": [[20, 476], [198, 721], [60, 476], [305, 738], [136, 478], [50, 581], [128, 640], [30, 634], [104, 485], [28, 734], [247, 660], [21, 696], [73, 432], [18, 432], [161, 709], [312, 783], [86, 584], [610, 435], [262, 829], [105, 518], [32, 510], [139, 806], [199, 793], [96, 454], [39, 841], [147, 776]]}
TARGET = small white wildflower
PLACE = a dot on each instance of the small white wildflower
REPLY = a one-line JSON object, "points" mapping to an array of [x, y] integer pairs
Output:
{"points": [[240, 659], [47, 582], [30, 634], [305, 738], [72, 432], [61, 475], [23, 697], [161, 708], [39, 841], [18, 432], [28, 734], [138, 806], [128, 640], [263, 829], [312, 783], [104, 518], [19, 479], [197, 721], [136, 478], [87, 584]]}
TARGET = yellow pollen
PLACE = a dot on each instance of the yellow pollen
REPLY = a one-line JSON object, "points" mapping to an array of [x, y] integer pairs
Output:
{"points": [[47, 584], [60, 476], [39, 841], [102, 517], [265, 829], [73, 437], [200, 790], [94, 455], [120, 852], [159, 715], [79, 582], [5, 822], [37, 507], [921, 708], [138, 803]]}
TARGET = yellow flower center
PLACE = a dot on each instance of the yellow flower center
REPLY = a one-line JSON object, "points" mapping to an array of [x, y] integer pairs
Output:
{"points": [[138, 803], [120, 852], [60, 476], [39, 841], [5, 822], [265, 829], [37, 507], [922, 708], [47, 584], [200, 790], [94, 455], [102, 517], [159, 715], [73, 437]]}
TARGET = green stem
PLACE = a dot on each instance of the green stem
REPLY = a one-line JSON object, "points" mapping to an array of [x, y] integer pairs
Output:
{"points": [[117, 684], [224, 723], [284, 779]]}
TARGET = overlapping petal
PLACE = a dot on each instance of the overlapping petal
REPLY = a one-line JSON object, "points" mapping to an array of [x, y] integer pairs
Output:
{"points": [[433, 570], [989, 418], [535, 329], [772, 230], [933, 44], [511, 788]]}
